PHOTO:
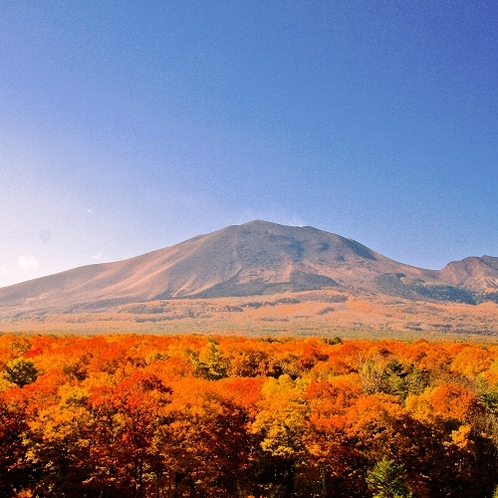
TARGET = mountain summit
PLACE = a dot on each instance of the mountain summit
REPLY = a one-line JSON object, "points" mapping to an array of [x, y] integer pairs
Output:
{"points": [[255, 258]]}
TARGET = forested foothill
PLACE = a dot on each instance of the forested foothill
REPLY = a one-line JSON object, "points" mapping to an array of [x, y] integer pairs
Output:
{"points": [[198, 416]]}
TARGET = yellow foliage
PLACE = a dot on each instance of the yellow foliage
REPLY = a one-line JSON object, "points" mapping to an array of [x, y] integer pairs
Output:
{"points": [[460, 437], [420, 407]]}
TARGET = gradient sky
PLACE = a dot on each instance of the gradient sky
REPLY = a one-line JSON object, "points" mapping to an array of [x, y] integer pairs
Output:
{"points": [[128, 126]]}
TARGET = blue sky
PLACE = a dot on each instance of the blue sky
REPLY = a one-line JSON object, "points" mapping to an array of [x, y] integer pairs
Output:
{"points": [[130, 126]]}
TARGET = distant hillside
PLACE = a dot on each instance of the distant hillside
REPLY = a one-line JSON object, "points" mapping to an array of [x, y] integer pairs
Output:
{"points": [[256, 258]]}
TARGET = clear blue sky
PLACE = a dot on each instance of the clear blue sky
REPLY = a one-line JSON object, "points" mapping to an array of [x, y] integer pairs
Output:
{"points": [[127, 126]]}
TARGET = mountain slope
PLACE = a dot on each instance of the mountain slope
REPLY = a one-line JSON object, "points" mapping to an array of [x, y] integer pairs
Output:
{"points": [[475, 274], [254, 258]]}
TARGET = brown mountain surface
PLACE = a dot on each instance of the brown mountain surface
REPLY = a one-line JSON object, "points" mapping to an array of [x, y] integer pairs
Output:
{"points": [[475, 274], [256, 258]]}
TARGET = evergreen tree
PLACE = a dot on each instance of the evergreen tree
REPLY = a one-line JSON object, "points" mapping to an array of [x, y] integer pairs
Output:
{"points": [[388, 480]]}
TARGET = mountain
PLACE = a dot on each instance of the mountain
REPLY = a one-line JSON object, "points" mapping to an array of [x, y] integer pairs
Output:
{"points": [[475, 274], [256, 258]]}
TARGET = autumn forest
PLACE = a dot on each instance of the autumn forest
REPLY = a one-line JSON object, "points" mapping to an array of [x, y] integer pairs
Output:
{"points": [[197, 416]]}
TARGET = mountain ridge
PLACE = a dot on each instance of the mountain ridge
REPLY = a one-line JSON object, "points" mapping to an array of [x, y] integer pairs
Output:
{"points": [[255, 258]]}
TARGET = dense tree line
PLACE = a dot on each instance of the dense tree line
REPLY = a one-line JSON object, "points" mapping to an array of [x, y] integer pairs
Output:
{"points": [[195, 416]]}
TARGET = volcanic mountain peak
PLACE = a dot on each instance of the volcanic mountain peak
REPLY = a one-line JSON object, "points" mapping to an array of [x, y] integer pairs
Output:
{"points": [[258, 257]]}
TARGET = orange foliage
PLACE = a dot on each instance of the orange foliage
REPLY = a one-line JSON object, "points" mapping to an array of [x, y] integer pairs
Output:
{"points": [[177, 416]]}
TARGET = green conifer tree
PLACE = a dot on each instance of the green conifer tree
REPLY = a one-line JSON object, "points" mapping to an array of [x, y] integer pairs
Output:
{"points": [[388, 480]]}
